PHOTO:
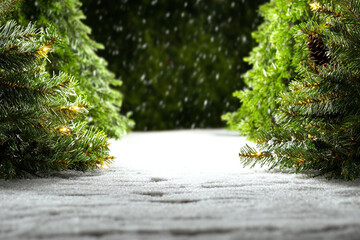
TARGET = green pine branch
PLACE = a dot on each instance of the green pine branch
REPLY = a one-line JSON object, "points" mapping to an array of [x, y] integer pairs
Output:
{"points": [[317, 123]]}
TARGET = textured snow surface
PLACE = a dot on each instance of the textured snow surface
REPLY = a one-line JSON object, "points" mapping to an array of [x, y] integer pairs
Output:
{"points": [[179, 185]]}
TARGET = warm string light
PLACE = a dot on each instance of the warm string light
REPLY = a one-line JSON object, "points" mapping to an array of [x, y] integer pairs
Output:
{"points": [[72, 108], [314, 6], [255, 155], [75, 108], [64, 130], [44, 50]]}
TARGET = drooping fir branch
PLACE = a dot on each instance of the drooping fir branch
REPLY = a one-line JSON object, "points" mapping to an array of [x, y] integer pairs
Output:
{"points": [[19, 45]]}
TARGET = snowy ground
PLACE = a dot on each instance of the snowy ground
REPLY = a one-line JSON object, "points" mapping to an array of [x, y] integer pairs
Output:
{"points": [[179, 185]]}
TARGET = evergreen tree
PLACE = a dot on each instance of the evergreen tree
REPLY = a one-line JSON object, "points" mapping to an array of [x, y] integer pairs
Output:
{"points": [[318, 121], [78, 58], [273, 62], [38, 131], [179, 60]]}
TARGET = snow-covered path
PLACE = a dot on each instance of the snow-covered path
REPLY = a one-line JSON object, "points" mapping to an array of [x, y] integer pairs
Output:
{"points": [[179, 185]]}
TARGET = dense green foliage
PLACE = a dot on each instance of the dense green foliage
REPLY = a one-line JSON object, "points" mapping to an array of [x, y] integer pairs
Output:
{"points": [[179, 60], [318, 121], [39, 130], [78, 58], [273, 62]]}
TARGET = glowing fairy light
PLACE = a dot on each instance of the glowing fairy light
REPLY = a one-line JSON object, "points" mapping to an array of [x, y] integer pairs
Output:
{"points": [[255, 155], [64, 129], [315, 6], [72, 108], [75, 108], [44, 50]]}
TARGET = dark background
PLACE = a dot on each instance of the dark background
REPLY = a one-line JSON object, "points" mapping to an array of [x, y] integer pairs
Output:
{"points": [[180, 61]]}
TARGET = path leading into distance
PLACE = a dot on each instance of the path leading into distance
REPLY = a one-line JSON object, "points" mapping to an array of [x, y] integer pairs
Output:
{"points": [[179, 185]]}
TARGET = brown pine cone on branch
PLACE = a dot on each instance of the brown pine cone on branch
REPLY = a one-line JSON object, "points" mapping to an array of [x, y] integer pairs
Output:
{"points": [[319, 53]]}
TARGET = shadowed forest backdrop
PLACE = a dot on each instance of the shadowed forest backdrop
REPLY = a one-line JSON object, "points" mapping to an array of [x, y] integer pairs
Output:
{"points": [[180, 61]]}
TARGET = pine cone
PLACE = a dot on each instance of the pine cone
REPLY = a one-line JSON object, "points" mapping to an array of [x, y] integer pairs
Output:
{"points": [[319, 53]]}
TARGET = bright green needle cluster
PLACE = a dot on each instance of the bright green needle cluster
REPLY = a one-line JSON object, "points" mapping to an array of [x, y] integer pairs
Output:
{"points": [[273, 62]]}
